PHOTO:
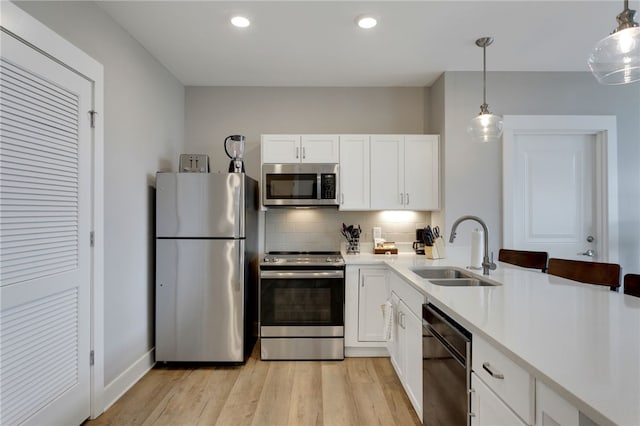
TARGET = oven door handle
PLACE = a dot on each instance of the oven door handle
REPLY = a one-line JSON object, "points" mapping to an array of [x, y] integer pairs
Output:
{"points": [[295, 275]]}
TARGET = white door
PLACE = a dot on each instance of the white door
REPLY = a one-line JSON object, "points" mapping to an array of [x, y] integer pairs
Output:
{"points": [[45, 176], [555, 189]]}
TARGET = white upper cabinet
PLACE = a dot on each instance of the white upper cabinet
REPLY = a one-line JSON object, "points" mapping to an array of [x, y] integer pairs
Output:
{"points": [[377, 172], [387, 172], [422, 172], [292, 149], [405, 172], [320, 149], [354, 172]]}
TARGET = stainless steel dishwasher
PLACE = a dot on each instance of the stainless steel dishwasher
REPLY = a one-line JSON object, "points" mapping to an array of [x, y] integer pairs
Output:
{"points": [[446, 369]]}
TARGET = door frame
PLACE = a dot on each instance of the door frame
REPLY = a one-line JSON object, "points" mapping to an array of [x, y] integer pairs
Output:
{"points": [[603, 127], [19, 24]]}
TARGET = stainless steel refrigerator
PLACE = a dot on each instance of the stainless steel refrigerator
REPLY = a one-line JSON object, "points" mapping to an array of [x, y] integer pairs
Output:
{"points": [[206, 266]]}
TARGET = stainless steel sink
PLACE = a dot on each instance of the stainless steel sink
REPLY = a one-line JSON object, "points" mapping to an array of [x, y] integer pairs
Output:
{"points": [[461, 282], [439, 273]]}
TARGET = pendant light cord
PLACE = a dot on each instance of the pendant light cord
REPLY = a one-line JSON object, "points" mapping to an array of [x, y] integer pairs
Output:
{"points": [[484, 76]]}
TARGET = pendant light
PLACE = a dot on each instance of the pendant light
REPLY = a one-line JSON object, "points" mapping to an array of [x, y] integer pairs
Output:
{"points": [[485, 127], [616, 58]]}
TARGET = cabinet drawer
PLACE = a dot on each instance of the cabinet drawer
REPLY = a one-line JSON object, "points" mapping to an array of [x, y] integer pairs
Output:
{"points": [[509, 381], [409, 295]]}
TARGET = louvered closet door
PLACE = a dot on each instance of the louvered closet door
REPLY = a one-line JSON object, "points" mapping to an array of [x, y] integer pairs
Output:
{"points": [[45, 178]]}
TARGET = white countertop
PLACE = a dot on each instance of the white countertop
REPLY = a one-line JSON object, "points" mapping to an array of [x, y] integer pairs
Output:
{"points": [[582, 340]]}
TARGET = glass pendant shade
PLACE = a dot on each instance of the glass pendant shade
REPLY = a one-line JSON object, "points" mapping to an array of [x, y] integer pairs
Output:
{"points": [[616, 59], [485, 127]]}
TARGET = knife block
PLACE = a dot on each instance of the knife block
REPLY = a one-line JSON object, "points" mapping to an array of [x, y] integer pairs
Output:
{"points": [[436, 251]]}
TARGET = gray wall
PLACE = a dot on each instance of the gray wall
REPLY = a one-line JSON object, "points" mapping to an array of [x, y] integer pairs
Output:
{"points": [[212, 113], [144, 129], [473, 172]]}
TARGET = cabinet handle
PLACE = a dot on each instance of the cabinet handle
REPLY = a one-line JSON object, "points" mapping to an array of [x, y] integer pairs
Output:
{"points": [[304, 152], [401, 198], [297, 153], [401, 320], [472, 395], [495, 374], [342, 198], [407, 197]]}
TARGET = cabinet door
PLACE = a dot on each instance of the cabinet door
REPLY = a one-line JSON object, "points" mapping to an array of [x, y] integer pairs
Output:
{"points": [[552, 409], [373, 292], [412, 357], [488, 409], [320, 149], [354, 172], [351, 285], [281, 149], [387, 172], [422, 172]]}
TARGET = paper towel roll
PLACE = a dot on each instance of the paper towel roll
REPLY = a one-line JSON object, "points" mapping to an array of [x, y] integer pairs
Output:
{"points": [[477, 248]]}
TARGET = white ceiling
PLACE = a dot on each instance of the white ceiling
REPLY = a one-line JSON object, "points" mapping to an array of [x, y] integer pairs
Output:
{"points": [[316, 43]]}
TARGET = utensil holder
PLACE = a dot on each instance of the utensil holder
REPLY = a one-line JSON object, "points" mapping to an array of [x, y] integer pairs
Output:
{"points": [[353, 246], [431, 252]]}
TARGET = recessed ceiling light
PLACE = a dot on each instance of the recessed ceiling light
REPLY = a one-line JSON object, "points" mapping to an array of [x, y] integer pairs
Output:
{"points": [[240, 21], [366, 22]]}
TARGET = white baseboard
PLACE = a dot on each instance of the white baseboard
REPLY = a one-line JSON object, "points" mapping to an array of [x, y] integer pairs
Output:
{"points": [[121, 384], [366, 352]]}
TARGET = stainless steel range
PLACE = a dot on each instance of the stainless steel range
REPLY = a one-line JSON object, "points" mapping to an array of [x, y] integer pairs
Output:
{"points": [[302, 306]]}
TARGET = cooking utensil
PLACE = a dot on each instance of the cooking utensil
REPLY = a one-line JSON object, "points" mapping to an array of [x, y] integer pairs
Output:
{"points": [[436, 231], [428, 236]]}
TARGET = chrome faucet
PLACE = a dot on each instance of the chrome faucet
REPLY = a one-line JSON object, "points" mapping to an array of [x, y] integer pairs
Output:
{"points": [[486, 263]]}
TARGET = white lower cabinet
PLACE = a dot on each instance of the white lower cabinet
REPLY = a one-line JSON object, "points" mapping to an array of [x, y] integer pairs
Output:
{"points": [[411, 356], [554, 410], [509, 381], [373, 291], [366, 288], [405, 347], [487, 409]]}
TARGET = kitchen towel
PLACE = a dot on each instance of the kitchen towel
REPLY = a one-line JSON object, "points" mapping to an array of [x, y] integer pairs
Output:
{"points": [[477, 249], [387, 314]]}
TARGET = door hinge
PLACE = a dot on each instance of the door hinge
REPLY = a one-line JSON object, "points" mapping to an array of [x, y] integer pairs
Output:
{"points": [[92, 118], [91, 358], [92, 239]]}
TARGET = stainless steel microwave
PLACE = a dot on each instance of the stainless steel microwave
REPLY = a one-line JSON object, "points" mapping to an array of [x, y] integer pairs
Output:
{"points": [[300, 185]]}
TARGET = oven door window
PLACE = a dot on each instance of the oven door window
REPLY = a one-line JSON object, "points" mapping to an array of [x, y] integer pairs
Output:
{"points": [[301, 302], [294, 186]]}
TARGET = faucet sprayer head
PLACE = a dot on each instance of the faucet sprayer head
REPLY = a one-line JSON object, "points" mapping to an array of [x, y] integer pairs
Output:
{"points": [[452, 237]]}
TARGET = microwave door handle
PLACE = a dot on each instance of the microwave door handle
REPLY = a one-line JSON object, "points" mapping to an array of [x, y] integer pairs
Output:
{"points": [[319, 186]]}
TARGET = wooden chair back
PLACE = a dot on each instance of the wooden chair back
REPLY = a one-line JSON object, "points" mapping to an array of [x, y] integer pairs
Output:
{"points": [[607, 274], [632, 284], [526, 259]]}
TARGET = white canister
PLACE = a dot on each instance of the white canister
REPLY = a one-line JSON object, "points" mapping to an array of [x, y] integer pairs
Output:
{"points": [[477, 248]]}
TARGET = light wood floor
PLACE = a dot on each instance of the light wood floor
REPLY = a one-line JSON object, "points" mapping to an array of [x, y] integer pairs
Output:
{"points": [[356, 391]]}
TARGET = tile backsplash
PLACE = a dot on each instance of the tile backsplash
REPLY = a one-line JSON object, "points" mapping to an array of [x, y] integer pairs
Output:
{"points": [[319, 229]]}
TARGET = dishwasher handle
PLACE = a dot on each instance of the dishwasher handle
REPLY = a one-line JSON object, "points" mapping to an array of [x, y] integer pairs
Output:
{"points": [[446, 345]]}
